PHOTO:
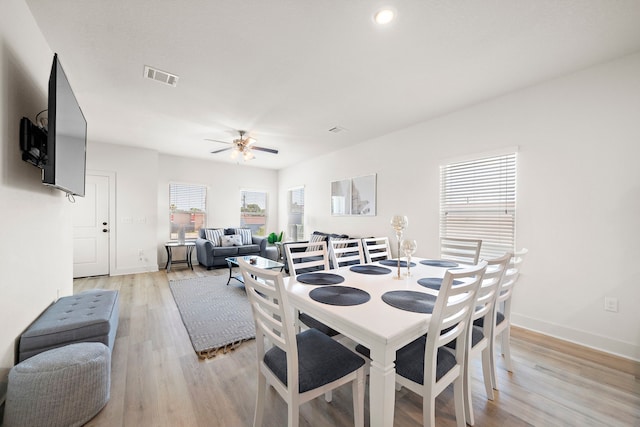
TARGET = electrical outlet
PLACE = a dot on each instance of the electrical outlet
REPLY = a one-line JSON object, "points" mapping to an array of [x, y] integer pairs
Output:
{"points": [[611, 304], [140, 254]]}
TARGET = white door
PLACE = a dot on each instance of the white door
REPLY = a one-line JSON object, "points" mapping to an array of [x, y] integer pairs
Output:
{"points": [[91, 229]]}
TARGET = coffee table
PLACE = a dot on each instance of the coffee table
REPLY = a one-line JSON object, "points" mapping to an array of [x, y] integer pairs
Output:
{"points": [[260, 262]]}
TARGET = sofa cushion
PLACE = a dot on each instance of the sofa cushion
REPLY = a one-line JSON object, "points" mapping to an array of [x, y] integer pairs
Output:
{"points": [[232, 240], [248, 249], [219, 251], [214, 234], [246, 235], [315, 238]]}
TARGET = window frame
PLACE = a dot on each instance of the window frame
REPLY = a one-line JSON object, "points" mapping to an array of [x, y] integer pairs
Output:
{"points": [[298, 234], [261, 231]]}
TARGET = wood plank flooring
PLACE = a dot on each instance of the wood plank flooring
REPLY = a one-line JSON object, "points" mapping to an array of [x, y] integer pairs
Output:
{"points": [[157, 379]]}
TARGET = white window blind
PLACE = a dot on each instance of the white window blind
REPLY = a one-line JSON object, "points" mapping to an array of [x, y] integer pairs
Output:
{"points": [[478, 201], [295, 214], [187, 205]]}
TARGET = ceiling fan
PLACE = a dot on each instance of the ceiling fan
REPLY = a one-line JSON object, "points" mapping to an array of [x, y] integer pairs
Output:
{"points": [[244, 145]]}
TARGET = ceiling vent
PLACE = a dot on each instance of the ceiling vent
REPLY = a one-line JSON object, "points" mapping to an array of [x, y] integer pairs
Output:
{"points": [[336, 129], [160, 76]]}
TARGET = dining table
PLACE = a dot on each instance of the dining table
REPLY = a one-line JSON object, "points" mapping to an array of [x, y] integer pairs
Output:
{"points": [[360, 307]]}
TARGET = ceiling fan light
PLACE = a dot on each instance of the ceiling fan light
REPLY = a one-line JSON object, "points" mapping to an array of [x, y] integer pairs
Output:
{"points": [[384, 16], [250, 141], [248, 155], [234, 154]]}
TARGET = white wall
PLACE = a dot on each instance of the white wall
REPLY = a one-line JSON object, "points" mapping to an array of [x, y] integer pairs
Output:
{"points": [[578, 195], [224, 182], [36, 252], [136, 221]]}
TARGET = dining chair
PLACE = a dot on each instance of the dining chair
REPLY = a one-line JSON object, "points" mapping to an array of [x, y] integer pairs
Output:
{"points": [[427, 366], [502, 308], [307, 257], [479, 338], [465, 251], [302, 366], [376, 248], [346, 252]]}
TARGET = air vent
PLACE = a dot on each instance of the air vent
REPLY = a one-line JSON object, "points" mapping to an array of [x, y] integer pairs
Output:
{"points": [[336, 129], [160, 76]]}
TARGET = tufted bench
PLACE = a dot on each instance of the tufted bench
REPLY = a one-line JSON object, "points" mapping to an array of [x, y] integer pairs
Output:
{"points": [[90, 316]]}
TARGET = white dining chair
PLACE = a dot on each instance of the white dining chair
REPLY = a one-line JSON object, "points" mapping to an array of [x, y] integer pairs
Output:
{"points": [[479, 339], [376, 249], [302, 366], [307, 257], [427, 366], [465, 251], [346, 252], [502, 328]]}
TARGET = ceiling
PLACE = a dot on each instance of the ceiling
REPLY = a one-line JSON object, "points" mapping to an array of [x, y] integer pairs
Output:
{"points": [[289, 70]]}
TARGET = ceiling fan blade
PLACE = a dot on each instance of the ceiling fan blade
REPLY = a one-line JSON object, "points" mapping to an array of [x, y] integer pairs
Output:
{"points": [[221, 150], [268, 150], [217, 140]]}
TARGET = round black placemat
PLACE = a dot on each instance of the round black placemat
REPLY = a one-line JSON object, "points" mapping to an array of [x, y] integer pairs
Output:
{"points": [[370, 269], [320, 278], [394, 263], [418, 302], [435, 282], [339, 295], [438, 263]]}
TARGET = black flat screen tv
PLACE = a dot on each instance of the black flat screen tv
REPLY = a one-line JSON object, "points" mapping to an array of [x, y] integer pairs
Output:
{"points": [[65, 166]]}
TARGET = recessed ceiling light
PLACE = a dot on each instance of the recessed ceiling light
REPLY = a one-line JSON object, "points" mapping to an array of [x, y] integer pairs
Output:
{"points": [[384, 16]]}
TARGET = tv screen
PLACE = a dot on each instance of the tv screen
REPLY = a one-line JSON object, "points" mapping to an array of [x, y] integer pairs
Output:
{"points": [[66, 136]]}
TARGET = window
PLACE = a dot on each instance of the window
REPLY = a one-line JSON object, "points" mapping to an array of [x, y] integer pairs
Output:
{"points": [[478, 201], [253, 211], [187, 205], [295, 214]]}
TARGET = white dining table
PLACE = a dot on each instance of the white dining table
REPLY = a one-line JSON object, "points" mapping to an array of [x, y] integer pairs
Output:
{"points": [[375, 324]]}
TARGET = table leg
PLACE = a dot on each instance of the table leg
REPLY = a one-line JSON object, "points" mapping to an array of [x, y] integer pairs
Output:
{"points": [[230, 272], [168, 264], [189, 256], [382, 391]]}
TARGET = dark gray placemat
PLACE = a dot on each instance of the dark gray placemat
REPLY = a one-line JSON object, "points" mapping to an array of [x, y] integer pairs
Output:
{"points": [[418, 302], [394, 263], [438, 263], [370, 269], [320, 278], [435, 282], [339, 295]]}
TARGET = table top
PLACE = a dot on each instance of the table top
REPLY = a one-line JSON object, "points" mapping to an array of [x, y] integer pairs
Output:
{"points": [[374, 321], [261, 262], [175, 244]]}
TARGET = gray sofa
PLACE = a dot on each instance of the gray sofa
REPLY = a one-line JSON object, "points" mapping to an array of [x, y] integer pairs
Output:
{"points": [[210, 255]]}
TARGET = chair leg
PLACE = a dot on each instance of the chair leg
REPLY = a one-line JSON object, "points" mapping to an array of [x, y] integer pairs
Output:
{"points": [[358, 399], [429, 410], [467, 404], [506, 348], [328, 395], [262, 390], [486, 372], [492, 362], [294, 413], [458, 399]]}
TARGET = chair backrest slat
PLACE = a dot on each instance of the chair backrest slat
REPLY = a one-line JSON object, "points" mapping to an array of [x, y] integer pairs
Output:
{"points": [[466, 251], [306, 255], [376, 248], [346, 252]]}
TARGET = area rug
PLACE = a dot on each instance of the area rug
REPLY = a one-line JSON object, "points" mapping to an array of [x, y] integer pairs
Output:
{"points": [[217, 317]]}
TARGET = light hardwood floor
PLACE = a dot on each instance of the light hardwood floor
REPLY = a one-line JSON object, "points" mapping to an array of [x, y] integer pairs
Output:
{"points": [[157, 379]]}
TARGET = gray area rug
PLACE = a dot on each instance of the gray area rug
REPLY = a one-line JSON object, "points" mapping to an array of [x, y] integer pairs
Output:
{"points": [[217, 317]]}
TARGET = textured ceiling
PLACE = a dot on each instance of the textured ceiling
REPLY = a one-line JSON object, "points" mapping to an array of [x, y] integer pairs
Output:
{"points": [[289, 70]]}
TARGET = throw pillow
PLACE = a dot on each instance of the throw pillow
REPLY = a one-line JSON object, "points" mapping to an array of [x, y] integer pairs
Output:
{"points": [[214, 234], [338, 245], [246, 235], [231, 240], [313, 239]]}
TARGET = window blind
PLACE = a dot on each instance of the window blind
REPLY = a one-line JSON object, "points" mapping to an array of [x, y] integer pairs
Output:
{"points": [[478, 201], [187, 197]]}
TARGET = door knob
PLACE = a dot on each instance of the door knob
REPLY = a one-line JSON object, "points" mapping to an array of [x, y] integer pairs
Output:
{"points": [[104, 230], [104, 223]]}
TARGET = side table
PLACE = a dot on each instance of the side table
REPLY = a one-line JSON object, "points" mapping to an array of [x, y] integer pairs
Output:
{"points": [[188, 251]]}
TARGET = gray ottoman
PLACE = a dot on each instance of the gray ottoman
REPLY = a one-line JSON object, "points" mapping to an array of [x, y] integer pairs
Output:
{"points": [[66, 386], [90, 316]]}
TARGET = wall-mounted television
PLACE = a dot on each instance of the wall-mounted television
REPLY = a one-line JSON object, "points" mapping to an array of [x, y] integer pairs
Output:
{"points": [[62, 157]]}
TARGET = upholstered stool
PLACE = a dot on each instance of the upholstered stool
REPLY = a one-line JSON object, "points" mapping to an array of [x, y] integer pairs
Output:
{"points": [[66, 386]]}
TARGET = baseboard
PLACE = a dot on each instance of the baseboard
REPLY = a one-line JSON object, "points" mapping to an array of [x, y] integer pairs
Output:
{"points": [[608, 360], [586, 338]]}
